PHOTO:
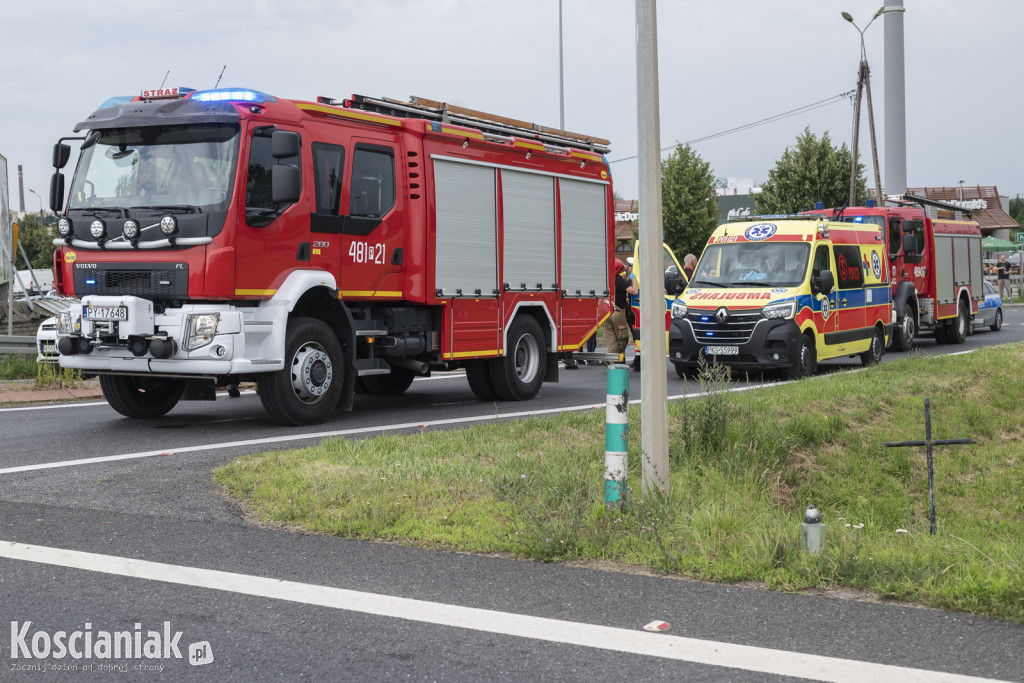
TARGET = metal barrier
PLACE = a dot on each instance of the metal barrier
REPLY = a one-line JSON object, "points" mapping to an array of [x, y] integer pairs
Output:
{"points": [[17, 344]]}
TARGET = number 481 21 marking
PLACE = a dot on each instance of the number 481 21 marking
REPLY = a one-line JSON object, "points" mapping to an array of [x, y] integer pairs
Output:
{"points": [[364, 252]]}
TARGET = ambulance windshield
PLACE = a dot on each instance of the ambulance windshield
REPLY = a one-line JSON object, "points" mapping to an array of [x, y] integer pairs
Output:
{"points": [[751, 264], [173, 166]]}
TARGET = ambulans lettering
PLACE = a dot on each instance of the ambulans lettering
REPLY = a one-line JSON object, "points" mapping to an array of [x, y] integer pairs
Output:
{"points": [[760, 231], [719, 296]]}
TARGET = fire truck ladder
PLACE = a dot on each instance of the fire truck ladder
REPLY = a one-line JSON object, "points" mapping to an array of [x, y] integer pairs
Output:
{"points": [[491, 125], [958, 212]]}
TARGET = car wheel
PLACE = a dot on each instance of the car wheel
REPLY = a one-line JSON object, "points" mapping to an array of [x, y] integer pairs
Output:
{"points": [[873, 356], [806, 361], [140, 396], [997, 322]]}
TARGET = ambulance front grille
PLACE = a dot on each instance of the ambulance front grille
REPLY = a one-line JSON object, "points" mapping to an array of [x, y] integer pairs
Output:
{"points": [[735, 330]]}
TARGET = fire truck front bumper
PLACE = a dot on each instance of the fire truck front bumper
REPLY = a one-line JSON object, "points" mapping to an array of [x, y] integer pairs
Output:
{"points": [[772, 344], [123, 334]]}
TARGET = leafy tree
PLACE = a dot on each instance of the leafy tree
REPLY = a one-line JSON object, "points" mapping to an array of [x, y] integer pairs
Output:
{"points": [[1017, 210], [688, 201], [811, 171], [37, 241]]}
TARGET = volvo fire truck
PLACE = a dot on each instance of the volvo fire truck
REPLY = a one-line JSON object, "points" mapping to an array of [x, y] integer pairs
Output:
{"points": [[324, 248], [935, 259]]}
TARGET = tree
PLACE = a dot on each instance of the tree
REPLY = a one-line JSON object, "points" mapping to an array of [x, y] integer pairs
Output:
{"points": [[1017, 210], [37, 241], [811, 171], [688, 201]]}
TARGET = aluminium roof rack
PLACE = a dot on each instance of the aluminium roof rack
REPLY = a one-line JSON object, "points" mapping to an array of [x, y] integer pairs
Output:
{"points": [[491, 124]]}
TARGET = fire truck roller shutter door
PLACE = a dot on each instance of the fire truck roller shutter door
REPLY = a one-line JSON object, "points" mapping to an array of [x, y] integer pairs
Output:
{"points": [[584, 243], [466, 240], [528, 211]]}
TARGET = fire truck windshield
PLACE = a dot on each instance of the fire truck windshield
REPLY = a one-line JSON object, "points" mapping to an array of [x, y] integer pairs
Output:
{"points": [[747, 264], [187, 166]]}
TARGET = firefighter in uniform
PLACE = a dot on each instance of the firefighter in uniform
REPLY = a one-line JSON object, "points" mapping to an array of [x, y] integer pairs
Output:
{"points": [[616, 330]]}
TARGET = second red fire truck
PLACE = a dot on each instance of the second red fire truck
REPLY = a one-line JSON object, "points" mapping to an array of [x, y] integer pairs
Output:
{"points": [[320, 248]]}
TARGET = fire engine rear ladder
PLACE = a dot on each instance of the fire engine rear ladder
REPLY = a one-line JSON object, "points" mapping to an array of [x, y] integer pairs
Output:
{"points": [[490, 125]]}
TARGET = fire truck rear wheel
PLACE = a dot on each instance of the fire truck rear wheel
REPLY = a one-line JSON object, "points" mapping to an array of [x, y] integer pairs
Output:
{"points": [[956, 333], [873, 356], [397, 382], [141, 397], [478, 372], [517, 375], [907, 329], [307, 389]]}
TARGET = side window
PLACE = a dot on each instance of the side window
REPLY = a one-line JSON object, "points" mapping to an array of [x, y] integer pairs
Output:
{"points": [[328, 169], [895, 236], [820, 260], [373, 183], [849, 272]]}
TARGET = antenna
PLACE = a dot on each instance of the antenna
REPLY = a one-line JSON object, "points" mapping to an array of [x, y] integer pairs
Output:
{"points": [[219, 77], [165, 78]]}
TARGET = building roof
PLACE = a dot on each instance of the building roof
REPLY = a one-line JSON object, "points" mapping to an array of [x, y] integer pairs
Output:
{"points": [[993, 217]]}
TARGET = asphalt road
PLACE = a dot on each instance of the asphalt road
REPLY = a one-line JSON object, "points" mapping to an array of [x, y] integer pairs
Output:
{"points": [[272, 604]]}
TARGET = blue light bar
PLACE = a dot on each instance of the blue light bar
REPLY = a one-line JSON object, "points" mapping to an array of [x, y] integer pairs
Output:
{"points": [[232, 95], [114, 101], [90, 281], [858, 219], [705, 318]]}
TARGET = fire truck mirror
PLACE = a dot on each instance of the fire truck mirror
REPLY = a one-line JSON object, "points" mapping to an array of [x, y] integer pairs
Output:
{"points": [[909, 243], [56, 192], [284, 144], [912, 226], [61, 154], [285, 183]]}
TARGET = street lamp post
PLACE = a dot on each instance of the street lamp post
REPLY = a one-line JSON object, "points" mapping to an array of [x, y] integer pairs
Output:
{"points": [[40, 204], [864, 84]]}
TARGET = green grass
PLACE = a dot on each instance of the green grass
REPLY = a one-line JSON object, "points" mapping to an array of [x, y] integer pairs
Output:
{"points": [[17, 366], [742, 468]]}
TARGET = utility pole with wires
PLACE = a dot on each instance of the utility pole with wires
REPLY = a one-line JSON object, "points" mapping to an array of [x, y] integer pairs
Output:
{"points": [[864, 85]]}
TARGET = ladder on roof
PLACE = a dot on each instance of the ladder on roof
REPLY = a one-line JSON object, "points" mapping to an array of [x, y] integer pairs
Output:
{"points": [[489, 124]]}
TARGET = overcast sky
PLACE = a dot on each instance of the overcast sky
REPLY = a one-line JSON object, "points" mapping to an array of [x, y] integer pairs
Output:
{"points": [[721, 64]]}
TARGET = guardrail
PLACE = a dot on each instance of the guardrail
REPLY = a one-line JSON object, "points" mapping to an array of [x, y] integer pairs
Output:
{"points": [[17, 344]]}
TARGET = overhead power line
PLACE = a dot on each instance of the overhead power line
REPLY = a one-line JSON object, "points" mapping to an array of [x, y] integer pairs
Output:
{"points": [[777, 117]]}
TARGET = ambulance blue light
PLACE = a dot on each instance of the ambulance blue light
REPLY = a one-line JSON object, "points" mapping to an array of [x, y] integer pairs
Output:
{"points": [[90, 281], [705, 318], [232, 95], [711, 334], [858, 219]]}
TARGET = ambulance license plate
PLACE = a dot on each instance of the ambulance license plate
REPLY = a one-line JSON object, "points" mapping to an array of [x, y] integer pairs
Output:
{"points": [[722, 350], [106, 312]]}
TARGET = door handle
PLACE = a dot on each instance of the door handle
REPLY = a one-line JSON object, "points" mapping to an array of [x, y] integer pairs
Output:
{"points": [[844, 303]]}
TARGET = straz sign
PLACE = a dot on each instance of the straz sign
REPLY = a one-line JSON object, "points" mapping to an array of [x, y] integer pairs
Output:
{"points": [[161, 93]]}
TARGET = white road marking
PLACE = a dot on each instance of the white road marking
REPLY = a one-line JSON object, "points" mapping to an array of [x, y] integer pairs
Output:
{"points": [[707, 652], [324, 435]]}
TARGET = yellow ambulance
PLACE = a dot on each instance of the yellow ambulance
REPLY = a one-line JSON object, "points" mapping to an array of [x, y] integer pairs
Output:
{"points": [[782, 293]]}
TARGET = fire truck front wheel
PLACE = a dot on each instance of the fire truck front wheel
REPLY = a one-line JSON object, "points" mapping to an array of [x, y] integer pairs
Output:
{"points": [[906, 329], [141, 397], [517, 375], [307, 389]]}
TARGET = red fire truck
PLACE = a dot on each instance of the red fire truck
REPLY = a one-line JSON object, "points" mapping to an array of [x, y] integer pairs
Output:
{"points": [[322, 248], [935, 266]]}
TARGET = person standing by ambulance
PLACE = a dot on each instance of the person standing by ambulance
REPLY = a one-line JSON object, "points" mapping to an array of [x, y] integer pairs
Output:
{"points": [[1003, 277], [616, 329]]}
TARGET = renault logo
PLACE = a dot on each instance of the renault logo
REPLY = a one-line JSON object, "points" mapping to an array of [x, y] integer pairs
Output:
{"points": [[722, 314]]}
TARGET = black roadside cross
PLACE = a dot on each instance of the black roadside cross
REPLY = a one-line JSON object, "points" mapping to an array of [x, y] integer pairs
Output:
{"points": [[929, 442]]}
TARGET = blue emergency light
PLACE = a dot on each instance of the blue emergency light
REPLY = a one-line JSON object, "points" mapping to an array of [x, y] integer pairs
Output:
{"points": [[232, 95]]}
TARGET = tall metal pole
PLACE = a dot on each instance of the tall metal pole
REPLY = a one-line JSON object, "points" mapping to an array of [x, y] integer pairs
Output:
{"points": [[561, 74], [654, 384], [879, 197], [852, 201], [895, 100]]}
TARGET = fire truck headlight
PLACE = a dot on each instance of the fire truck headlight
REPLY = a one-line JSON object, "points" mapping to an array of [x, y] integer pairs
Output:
{"points": [[783, 311], [98, 229], [200, 329], [678, 310], [64, 227], [130, 230], [169, 225]]}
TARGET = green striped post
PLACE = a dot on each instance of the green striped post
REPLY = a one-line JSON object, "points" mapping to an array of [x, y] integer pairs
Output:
{"points": [[616, 436]]}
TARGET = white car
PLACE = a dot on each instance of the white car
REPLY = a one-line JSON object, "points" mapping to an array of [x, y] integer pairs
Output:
{"points": [[46, 343]]}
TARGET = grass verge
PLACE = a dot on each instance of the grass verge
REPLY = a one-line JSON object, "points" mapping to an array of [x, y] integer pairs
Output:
{"points": [[743, 467]]}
